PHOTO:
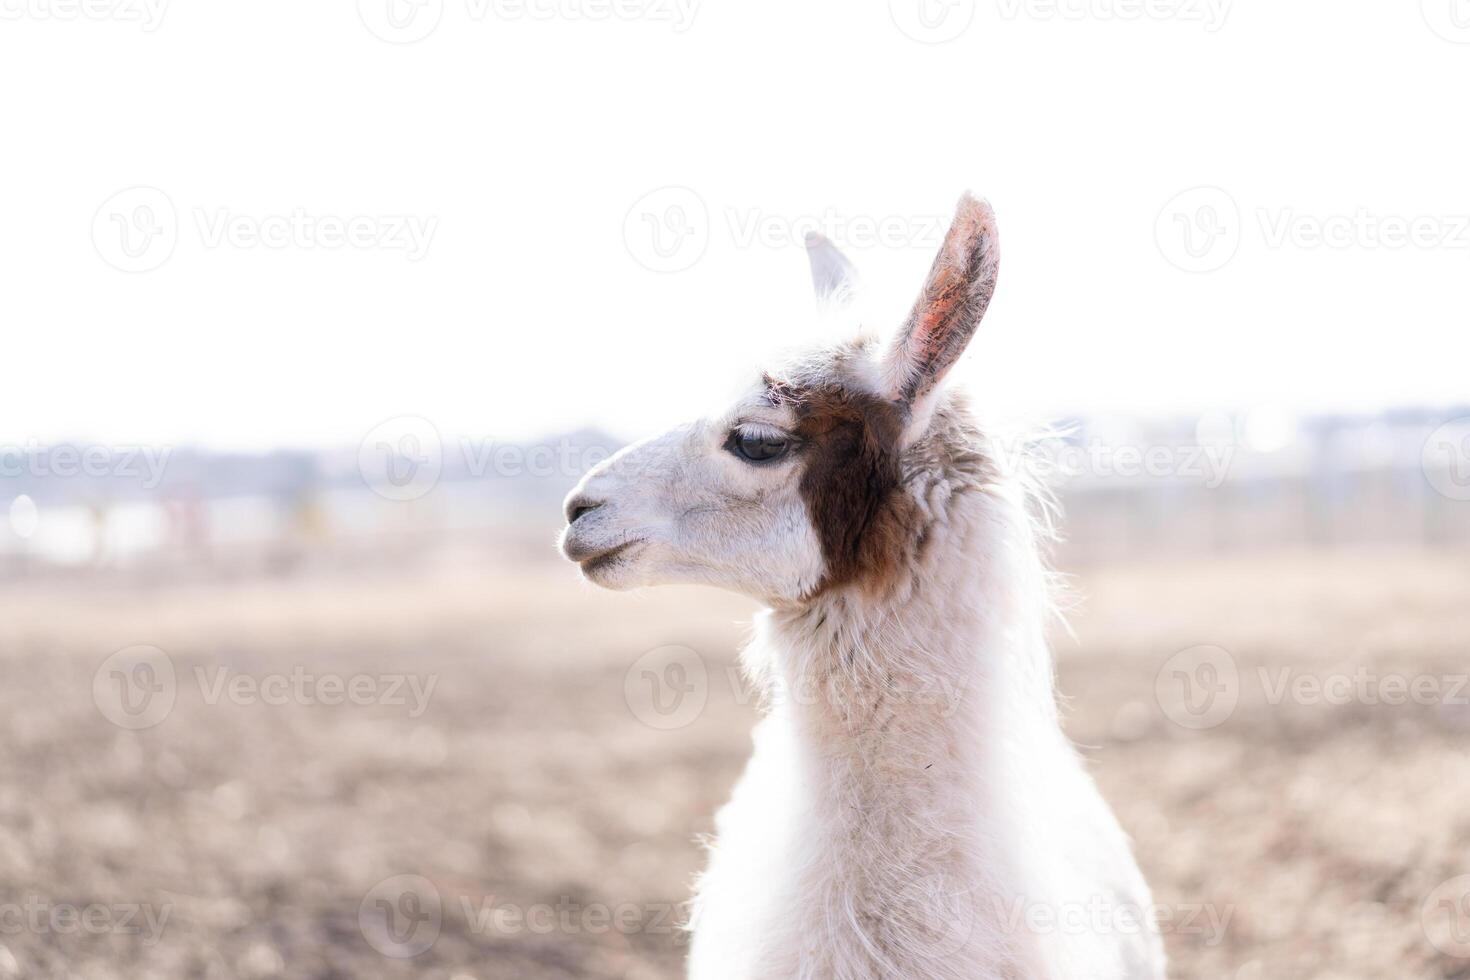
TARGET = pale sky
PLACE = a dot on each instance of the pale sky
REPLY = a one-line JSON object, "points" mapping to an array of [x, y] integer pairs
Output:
{"points": [[503, 163]]}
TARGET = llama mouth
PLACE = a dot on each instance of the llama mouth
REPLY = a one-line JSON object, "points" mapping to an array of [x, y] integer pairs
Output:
{"points": [[606, 558]]}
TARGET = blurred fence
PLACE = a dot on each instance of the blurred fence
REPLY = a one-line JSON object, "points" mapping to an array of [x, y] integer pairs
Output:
{"points": [[1128, 489]]}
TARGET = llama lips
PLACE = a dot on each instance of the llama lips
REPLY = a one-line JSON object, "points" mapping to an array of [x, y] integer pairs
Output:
{"points": [[602, 560]]}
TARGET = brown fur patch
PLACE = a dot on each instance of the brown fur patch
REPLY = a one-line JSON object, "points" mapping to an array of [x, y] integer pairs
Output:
{"points": [[850, 443]]}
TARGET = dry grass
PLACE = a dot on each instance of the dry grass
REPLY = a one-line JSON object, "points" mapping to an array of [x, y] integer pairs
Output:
{"points": [[1319, 830]]}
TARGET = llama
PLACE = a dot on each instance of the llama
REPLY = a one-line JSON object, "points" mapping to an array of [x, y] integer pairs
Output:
{"points": [[911, 809]]}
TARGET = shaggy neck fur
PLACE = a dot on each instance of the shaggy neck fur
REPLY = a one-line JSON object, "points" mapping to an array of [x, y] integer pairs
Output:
{"points": [[900, 700]]}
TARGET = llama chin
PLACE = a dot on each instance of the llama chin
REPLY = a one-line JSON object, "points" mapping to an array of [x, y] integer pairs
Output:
{"points": [[912, 808]]}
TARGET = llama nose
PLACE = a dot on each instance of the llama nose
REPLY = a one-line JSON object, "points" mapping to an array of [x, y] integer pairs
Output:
{"points": [[578, 506]]}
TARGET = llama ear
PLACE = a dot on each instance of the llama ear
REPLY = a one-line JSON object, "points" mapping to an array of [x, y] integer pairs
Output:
{"points": [[949, 307], [833, 277]]}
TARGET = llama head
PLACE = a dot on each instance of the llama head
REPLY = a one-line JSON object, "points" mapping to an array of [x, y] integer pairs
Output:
{"points": [[796, 487]]}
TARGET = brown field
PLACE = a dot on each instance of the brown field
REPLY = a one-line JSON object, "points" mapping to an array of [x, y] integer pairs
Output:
{"points": [[1312, 833]]}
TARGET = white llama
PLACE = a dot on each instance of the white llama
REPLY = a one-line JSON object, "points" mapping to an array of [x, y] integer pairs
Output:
{"points": [[912, 809]]}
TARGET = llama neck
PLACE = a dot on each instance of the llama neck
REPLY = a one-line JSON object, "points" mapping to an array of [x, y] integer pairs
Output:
{"points": [[917, 719], [914, 678]]}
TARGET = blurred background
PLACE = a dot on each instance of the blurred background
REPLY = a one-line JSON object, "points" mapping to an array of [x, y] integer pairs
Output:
{"points": [[313, 315]]}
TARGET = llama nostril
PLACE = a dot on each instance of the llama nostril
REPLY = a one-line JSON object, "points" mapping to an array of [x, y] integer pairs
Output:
{"points": [[576, 508]]}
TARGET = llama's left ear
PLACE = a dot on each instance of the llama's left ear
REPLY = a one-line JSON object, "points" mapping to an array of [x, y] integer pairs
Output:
{"points": [[950, 306], [833, 277]]}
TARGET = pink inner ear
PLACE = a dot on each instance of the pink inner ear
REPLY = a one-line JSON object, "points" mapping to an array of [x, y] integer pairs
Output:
{"points": [[951, 303]]}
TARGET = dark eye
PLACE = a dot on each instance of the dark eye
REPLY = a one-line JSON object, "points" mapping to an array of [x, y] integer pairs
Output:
{"points": [[757, 447]]}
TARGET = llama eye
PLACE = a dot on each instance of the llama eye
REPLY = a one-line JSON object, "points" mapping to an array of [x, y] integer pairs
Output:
{"points": [[757, 447]]}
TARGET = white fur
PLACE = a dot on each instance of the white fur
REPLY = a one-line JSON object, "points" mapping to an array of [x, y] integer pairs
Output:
{"points": [[912, 809], [879, 832]]}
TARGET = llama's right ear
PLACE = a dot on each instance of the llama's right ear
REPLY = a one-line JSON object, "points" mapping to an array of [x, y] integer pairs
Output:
{"points": [[833, 277], [950, 306]]}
